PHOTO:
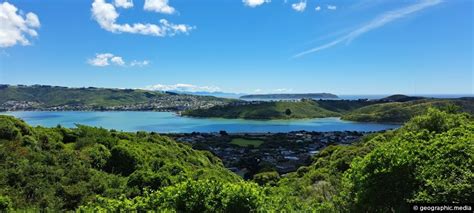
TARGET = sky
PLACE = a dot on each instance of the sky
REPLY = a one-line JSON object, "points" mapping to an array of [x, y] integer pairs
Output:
{"points": [[249, 46]]}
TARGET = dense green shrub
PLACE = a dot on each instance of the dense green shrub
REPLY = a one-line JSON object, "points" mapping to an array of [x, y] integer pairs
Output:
{"points": [[60, 169], [429, 159], [8, 130], [264, 178], [5, 203], [192, 196]]}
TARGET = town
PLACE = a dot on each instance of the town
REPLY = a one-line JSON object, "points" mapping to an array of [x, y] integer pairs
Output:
{"points": [[250, 153], [165, 103]]}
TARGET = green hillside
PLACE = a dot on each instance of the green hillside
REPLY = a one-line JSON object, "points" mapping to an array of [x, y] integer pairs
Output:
{"points": [[60, 168], [362, 111], [56, 96], [46, 97], [428, 160], [402, 111], [266, 111]]}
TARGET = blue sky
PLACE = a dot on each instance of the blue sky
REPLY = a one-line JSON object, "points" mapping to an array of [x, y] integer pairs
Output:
{"points": [[250, 46]]}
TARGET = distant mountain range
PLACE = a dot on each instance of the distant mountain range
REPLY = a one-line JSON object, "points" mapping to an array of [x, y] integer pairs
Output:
{"points": [[215, 94], [290, 96]]}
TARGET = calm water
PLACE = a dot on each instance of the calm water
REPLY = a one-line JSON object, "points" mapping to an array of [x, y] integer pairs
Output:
{"points": [[167, 122]]}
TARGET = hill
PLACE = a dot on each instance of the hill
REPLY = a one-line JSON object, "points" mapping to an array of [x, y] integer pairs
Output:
{"points": [[60, 168], [400, 98], [428, 160], [402, 111], [265, 110], [290, 96], [387, 171], [44, 97], [353, 110]]}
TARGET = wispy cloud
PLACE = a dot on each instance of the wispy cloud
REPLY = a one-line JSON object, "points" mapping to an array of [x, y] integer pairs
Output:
{"points": [[255, 3], [379, 21], [136, 63], [283, 90], [332, 7], [300, 6]]}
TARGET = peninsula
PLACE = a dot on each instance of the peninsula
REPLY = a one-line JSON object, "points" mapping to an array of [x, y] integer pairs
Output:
{"points": [[387, 110]]}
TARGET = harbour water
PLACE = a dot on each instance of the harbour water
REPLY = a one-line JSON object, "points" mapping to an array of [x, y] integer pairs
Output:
{"points": [[168, 122]]}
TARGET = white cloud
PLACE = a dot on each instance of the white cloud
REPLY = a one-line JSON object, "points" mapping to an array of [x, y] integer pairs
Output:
{"points": [[136, 63], [318, 8], [107, 59], [331, 7], [101, 60], [117, 60], [106, 15], [14, 28], [183, 88], [379, 21], [283, 90], [255, 3], [159, 6], [300, 6], [124, 3]]}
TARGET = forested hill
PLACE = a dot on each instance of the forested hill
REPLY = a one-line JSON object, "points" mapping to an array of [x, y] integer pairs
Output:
{"points": [[384, 110], [44, 97], [428, 160], [403, 111], [265, 110]]}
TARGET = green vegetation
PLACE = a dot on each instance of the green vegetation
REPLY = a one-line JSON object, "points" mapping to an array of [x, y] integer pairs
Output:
{"points": [[402, 111], [57, 96], [266, 110], [60, 168], [430, 159], [246, 142], [46, 97], [362, 111]]}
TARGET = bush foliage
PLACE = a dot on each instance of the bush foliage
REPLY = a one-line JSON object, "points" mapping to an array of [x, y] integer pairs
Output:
{"points": [[429, 159]]}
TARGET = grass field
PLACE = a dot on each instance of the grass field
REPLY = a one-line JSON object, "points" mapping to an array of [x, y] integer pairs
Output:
{"points": [[246, 142]]}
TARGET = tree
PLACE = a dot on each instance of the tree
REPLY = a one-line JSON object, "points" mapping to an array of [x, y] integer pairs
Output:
{"points": [[288, 112], [122, 161]]}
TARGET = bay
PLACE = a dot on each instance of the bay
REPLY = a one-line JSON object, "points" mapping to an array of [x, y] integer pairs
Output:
{"points": [[168, 122]]}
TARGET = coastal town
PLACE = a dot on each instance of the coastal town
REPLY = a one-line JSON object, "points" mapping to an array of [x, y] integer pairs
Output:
{"points": [[250, 153], [163, 101]]}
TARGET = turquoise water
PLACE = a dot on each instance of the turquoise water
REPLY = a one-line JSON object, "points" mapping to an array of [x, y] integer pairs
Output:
{"points": [[167, 122]]}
